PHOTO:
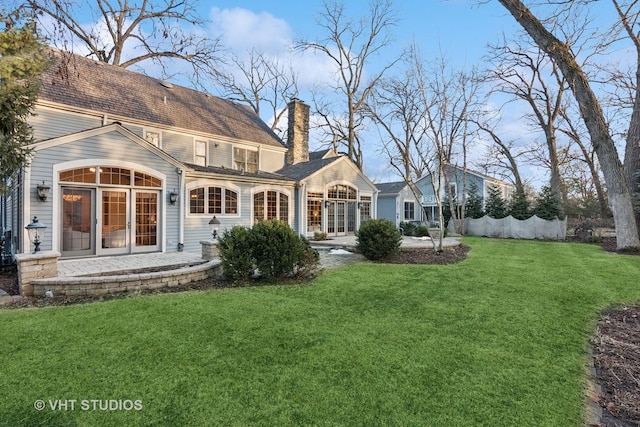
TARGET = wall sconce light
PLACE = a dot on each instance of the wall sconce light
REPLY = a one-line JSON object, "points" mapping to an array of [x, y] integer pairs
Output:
{"points": [[36, 233], [173, 197], [326, 204], [359, 205], [214, 224], [43, 191]]}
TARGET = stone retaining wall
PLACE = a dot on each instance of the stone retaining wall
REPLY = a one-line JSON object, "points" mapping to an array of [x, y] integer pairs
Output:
{"points": [[35, 266], [102, 285]]}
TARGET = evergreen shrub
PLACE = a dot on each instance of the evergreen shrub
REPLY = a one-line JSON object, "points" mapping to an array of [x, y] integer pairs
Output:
{"points": [[378, 239], [236, 254]]}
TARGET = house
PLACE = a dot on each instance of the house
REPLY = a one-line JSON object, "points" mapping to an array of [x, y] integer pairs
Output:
{"points": [[459, 178], [126, 163], [397, 203]]}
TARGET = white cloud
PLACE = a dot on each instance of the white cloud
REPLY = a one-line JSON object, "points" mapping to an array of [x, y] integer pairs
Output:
{"points": [[243, 30]]}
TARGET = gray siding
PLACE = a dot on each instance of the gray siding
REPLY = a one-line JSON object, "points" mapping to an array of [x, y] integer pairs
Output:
{"points": [[271, 161], [221, 155], [178, 145], [387, 208], [111, 147], [49, 124], [339, 172]]}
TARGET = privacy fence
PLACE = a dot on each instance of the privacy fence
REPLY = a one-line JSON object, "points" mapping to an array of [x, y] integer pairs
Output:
{"points": [[511, 228]]}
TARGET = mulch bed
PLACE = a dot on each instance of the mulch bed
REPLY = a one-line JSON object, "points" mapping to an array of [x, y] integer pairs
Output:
{"points": [[616, 341]]}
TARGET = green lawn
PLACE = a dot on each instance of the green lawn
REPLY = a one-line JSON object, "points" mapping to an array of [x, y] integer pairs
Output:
{"points": [[497, 340]]}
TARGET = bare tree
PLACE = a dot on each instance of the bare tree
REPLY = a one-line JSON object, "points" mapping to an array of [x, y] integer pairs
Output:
{"points": [[397, 109], [452, 99], [528, 75], [591, 111], [259, 80], [502, 155], [350, 45], [124, 33], [574, 131]]}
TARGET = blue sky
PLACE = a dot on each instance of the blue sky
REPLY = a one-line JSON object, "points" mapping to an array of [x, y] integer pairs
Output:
{"points": [[459, 30]]}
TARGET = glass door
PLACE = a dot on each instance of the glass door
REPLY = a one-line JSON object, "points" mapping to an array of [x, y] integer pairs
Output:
{"points": [[78, 224], [146, 219], [115, 222], [340, 218]]}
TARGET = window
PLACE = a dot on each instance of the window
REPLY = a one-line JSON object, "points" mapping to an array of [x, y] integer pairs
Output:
{"points": [[409, 210], [216, 199], [152, 138], [110, 176], [115, 176], [365, 208], [246, 160], [342, 192], [270, 205], [196, 201], [200, 157], [314, 211]]}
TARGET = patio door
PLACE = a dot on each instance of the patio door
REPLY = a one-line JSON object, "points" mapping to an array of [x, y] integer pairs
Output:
{"points": [[146, 213], [337, 218], [129, 221], [115, 222], [78, 222]]}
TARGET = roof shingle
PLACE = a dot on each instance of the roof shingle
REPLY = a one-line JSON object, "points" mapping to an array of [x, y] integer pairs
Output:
{"points": [[107, 89]]}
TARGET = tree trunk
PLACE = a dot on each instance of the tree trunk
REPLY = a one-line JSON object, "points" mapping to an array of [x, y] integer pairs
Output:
{"points": [[619, 194]]}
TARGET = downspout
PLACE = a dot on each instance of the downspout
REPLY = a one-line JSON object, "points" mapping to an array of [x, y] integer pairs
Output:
{"points": [[302, 212], [181, 209]]}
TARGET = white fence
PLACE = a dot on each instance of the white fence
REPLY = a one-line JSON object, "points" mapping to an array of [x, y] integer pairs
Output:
{"points": [[511, 228]]}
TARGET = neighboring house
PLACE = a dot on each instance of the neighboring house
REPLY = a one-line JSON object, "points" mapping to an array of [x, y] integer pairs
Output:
{"points": [[135, 165], [459, 179], [397, 203]]}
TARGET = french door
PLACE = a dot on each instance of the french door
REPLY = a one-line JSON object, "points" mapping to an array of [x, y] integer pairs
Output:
{"points": [[339, 218], [109, 221]]}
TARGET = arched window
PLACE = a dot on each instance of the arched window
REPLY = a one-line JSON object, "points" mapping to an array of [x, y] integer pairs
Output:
{"points": [[270, 204], [213, 200]]}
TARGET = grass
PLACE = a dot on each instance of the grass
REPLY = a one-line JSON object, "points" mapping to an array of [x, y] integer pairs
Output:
{"points": [[497, 340]]}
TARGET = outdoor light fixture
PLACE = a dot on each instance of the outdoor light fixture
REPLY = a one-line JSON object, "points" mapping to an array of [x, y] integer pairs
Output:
{"points": [[173, 197], [326, 204], [359, 205], [36, 233], [214, 223], [43, 191]]}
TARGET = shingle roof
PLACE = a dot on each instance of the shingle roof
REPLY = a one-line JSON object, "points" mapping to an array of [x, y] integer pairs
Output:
{"points": [[317, 155], [236, 172], [302, 170], [104, 88], [391, 187]]}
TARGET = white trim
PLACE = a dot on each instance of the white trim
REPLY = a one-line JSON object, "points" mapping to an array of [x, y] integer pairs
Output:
{"points": [[74, 164], [277, 189], [196, 140], [205, 183], [146, 130]]}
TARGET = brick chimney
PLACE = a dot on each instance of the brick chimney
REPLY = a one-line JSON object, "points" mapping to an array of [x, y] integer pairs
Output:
{"points": [[298, 132]]}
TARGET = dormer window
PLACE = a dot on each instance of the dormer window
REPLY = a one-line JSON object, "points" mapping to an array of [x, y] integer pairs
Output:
{"points": [[200, 153], [245, 159], [152, 138]]}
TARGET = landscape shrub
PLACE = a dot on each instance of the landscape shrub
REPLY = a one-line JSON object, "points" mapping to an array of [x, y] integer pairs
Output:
{"points": [[235, 254], [307, 266], [319, 235], [407, 228], [421, 230], [277, 250], [378, 239], [271, 247]]}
